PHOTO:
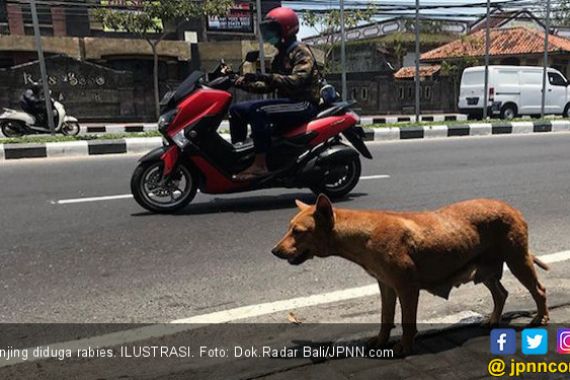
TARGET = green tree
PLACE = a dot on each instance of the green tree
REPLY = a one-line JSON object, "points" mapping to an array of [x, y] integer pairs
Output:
{"points": [[147, 20], [561, 12], [327, 24], [453, 69]]}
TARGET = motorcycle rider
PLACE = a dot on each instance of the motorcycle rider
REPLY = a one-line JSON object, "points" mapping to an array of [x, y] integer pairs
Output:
{"points": [[294, 74], [33, 103]]}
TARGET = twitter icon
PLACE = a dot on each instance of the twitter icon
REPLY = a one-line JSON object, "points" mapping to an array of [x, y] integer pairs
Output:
{"points": [[534, 341]]}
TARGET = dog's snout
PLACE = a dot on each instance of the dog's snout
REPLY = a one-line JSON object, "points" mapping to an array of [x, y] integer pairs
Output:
{"points": [[277, 252]]}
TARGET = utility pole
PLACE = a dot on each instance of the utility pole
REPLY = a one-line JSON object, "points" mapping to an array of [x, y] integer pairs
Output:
{"points": [[43, 70], [417, 76], [545, 65], [260, 39], [343, 52], [487, 42]]}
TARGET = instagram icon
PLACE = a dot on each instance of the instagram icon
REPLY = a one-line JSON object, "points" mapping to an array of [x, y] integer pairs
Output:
{"points": [[563, 341]]}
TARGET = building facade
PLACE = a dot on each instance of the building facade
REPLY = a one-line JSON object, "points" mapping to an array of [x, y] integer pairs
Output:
{"points": [[70, 30]]}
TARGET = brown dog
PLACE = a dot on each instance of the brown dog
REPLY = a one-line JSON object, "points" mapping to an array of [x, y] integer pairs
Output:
{"points": [[409, 251]]}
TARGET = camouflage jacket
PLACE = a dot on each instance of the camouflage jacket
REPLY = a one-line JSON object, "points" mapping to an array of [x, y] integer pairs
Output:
{"points": [[294, 74]]}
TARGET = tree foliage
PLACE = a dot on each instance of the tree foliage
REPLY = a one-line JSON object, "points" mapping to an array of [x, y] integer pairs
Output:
{"points": [[146, 21], [327, 24], [560, 12]]}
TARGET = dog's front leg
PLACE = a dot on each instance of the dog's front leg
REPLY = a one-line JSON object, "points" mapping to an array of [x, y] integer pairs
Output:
{"points": [[388, 298], [409, 302]]}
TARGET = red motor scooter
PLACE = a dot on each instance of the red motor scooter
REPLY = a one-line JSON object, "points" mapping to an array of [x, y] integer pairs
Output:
{"points": [[194, 156]]}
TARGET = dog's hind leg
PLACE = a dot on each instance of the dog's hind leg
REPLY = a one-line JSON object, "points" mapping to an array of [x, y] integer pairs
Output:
{"points": [[388, 298], [499, 294], [522, 267]]}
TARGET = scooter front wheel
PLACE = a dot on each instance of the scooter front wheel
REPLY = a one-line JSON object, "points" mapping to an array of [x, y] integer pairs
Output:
{"points": [[157, 194], [11, 128]]}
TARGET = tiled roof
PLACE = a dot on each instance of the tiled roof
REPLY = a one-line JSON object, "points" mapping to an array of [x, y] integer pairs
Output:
{"points": [[512, 41], [500, 17], [410, 72]]}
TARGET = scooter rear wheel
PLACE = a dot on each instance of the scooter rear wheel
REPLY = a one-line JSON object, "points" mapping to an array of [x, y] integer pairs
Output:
{"points": [[12, 128], [169, 196], [339, 180], [71, 129]]}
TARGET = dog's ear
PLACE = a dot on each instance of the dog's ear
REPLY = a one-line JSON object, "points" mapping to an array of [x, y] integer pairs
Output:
{"points": [[302, 206], [324, 210]]}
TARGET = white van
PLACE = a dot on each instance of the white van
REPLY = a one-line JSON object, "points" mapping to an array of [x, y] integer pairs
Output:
{"points": [[513, 91]]}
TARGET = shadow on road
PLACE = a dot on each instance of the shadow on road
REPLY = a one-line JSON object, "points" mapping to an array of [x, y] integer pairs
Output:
{"points": [[250, 204], [432, 339]]}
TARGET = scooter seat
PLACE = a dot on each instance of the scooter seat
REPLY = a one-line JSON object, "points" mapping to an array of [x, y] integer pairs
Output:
{"points": [[336, 109]]}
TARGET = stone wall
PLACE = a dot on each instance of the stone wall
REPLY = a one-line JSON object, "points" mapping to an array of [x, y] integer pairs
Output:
{"points": [[88, 91]]}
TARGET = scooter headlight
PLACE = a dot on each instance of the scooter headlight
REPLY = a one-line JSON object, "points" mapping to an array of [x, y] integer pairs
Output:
{"points": [[165, 119], [180, 139]]}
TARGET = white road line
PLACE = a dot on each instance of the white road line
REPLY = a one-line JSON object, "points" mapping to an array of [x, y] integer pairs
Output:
{"points": [[225, 316], [128, 196], [251, 311], [93, 199]]}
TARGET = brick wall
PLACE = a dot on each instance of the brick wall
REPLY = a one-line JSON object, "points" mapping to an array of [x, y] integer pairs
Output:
{"points": [[58, 21], [15, 19]]}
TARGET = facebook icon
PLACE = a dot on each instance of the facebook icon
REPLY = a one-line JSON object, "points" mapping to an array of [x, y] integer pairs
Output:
{"points": [[503, 341]]}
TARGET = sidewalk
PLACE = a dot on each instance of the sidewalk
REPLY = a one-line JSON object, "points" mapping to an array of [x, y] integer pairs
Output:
{"points": [[365, 120], [139, 145], [322, 351]]}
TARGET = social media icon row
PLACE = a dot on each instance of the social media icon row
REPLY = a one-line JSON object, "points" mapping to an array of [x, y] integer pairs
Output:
{"points": [[533, 341]]}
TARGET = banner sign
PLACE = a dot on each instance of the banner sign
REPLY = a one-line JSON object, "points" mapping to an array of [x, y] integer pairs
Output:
{"points": [[238, 20]]}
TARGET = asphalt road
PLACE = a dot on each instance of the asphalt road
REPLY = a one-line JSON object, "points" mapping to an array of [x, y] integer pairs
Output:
{"points": [[110, 261]]}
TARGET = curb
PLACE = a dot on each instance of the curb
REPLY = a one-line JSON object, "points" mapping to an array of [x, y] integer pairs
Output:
{"points": [[473, 129], [144, 144]]}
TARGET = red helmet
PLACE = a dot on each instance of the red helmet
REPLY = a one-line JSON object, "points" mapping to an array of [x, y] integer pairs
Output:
{"points": [[287, 20]]}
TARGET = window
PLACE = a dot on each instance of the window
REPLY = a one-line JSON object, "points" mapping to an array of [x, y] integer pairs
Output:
{"points": [[427, 93], [401, 93], [44, 18], [410, 92], [471, 78], [364, 93], [556, 79], [353, 94]]}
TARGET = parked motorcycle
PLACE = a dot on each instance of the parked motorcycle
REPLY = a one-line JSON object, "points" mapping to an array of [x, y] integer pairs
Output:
{"points": [[16, 123], [194, 156]]}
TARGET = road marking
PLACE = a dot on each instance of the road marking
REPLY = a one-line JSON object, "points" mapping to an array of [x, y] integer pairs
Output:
{"points": [[379, 176], [225, 316], [128, 196], [93, 199]]}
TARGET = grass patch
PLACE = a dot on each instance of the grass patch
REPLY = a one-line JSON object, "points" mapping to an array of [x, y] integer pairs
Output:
{"points": [[40, 139]]}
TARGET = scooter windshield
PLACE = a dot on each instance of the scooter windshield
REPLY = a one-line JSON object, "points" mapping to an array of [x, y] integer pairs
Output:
{"points": [[172, 98]]}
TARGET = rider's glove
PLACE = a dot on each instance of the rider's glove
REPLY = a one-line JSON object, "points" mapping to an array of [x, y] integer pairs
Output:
{"points": [[257, 77]]}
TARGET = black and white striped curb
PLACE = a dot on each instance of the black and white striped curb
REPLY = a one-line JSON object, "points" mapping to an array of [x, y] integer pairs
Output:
{"points": [[225, 125], [473, 129], [411, 119], [144, 144]]}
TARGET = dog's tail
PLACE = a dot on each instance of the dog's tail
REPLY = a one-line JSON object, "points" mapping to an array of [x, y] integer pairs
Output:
{"points": [[539, 263]]}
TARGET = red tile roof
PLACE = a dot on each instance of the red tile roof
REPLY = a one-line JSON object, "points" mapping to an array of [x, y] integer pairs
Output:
{"points": [[410, 72], [504, 42]]}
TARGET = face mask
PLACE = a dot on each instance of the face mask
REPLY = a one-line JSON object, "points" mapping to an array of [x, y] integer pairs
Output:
{"points": [[270, 35], [273, 40]]}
